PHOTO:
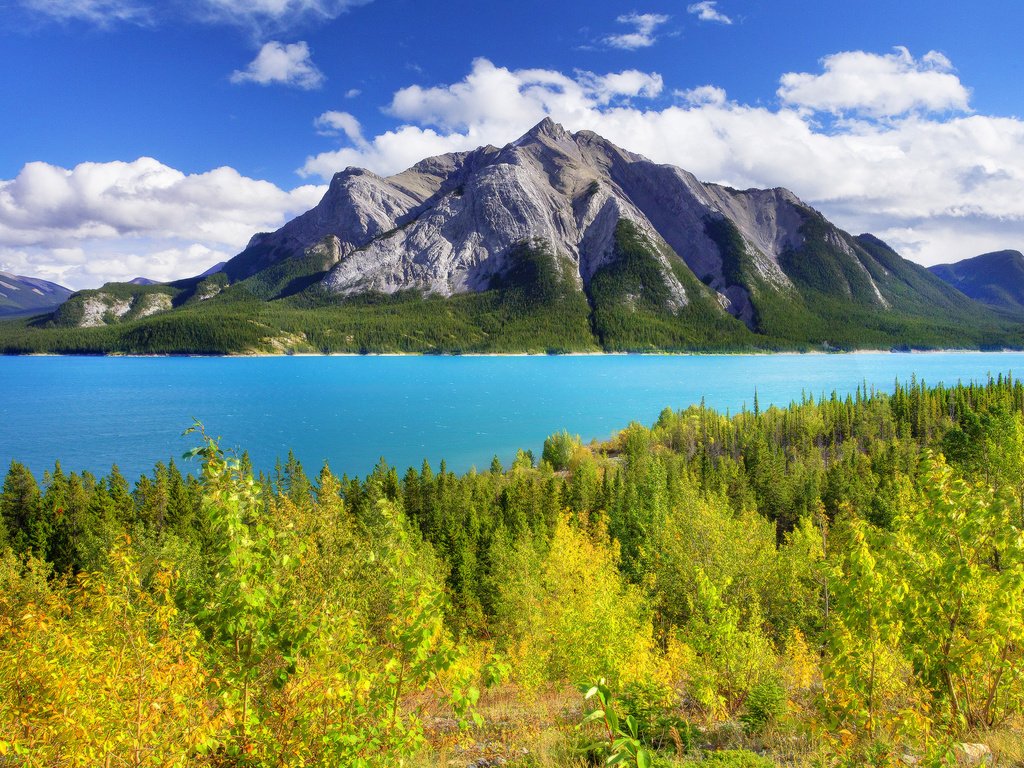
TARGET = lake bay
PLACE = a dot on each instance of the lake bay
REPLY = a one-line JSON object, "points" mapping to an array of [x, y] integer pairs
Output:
{"points": [[92, 412]]}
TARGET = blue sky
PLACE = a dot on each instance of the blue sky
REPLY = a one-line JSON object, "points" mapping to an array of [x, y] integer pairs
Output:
{"points": [[146, 137]]}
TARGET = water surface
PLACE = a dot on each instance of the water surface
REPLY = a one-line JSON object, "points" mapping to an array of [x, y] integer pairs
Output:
{"points": [[92, 412]]}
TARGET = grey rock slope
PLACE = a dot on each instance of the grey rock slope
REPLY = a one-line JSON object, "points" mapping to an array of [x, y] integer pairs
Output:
{"points": [[451, 224], [20, 295]]}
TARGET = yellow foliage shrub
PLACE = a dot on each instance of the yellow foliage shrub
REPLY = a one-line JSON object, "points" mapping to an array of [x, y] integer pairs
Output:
{"points": [[104, 673], [569, 616]]}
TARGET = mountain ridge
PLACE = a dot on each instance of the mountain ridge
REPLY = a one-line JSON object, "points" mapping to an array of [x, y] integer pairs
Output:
{"points": [[556, 241], [22, 295], [995, 278]]}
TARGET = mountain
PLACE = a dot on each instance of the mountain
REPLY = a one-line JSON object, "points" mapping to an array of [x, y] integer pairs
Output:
{"points": [[20, 295], [457, 223], [994, 278], [557, 241], [142, 281]]}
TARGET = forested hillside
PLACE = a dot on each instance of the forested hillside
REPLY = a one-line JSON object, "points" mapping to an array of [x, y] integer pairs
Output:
{"points": [[840, 582], [996, 279]]}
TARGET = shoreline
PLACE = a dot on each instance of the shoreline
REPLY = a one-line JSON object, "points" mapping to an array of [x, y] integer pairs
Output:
{"points": [[765, 353]]}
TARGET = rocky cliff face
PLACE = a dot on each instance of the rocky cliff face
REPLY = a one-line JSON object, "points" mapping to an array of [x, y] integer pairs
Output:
{"points": [[113, 304], [452, 224], [101, 308]]}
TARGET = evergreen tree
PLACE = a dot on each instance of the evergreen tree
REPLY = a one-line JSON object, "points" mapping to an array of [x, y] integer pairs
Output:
{"points": [[28, 529]]}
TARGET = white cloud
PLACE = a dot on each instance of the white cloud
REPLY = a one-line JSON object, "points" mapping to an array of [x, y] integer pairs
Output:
{"points": [[281, 64], [709, 95], [706, 11], [99, 12], [643, 34], [491, 94], [352, 93], [630, 83], [79, 268], [945, 240], [492, 105], [915, 176], [101, 221], [279, 14], [261, 16], [335, 123], [880, 86], [392, 151]]}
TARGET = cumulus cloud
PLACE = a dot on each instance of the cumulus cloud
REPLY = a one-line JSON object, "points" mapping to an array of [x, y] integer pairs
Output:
{"points": [[702, 95], [79, 268], [280, 64], [642, 36], [913, 176], [336, 123], [101, 221], [491, 94], [706, 11], [620, 85], [881, 86], [492, 105]]}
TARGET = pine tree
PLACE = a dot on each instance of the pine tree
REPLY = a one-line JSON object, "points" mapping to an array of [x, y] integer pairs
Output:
{"points": [[21, 511]]}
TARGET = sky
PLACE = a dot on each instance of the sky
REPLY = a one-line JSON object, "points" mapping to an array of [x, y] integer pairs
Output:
{"points": [[155, 137]]}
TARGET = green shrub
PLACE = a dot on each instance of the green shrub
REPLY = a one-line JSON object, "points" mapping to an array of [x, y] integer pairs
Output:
{"points": [[558, 450], [654, 707], [765, 705]]}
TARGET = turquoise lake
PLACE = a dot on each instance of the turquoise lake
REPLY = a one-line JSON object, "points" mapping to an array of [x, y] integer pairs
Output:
{"points": [[92, 412]]}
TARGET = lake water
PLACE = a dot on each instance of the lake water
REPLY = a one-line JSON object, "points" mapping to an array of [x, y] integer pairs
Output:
{"points": [[92, 412]]}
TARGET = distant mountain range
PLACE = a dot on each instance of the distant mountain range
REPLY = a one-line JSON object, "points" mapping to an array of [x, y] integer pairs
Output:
{"points": [[21, 295], [994, 278], [557, 241]]}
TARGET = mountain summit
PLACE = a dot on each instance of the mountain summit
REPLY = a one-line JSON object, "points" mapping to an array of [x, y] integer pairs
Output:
{"points": [[558, 240], [451, 223], [455, 223]]}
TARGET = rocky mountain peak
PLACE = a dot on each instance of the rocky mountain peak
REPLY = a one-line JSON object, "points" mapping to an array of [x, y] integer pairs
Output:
{"points": [[546, 142], [457, 223], [546, 128]]}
